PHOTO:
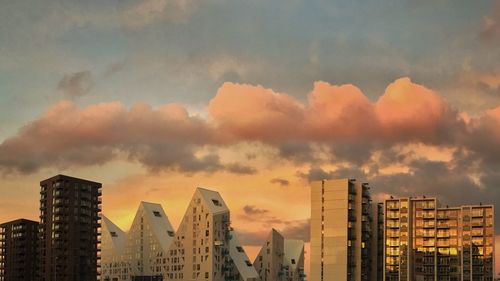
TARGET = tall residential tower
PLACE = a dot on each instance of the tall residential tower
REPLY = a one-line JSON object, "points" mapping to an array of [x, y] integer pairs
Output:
{"points": [[18, 241], [341, 231], [69, 229]]}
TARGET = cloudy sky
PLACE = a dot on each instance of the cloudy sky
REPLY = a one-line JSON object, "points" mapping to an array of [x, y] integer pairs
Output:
{"points": [[252, 98]]}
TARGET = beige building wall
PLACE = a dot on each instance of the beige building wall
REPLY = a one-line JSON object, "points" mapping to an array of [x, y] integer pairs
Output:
{"points": [[112, 245], [340, 230], [294, 260], [148, 240], [329, 247], [269, 263]]}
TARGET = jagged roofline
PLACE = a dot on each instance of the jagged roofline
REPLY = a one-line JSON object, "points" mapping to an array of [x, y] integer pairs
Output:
{"points": [[294, 249], [210, 195], [268, 239], [108, 226], [240, 258], [160, 226], [160, 230]]}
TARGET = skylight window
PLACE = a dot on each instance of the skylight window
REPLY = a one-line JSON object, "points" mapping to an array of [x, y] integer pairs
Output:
{"points": [[216, 202]]}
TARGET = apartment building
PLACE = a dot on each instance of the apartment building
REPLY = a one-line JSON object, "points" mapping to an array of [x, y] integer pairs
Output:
{"points": [[202, 246], [270, 262], [341, 231], [113, 267], [142, 253], [425, 241], [69, 231], [294, 260], [18, 242]]}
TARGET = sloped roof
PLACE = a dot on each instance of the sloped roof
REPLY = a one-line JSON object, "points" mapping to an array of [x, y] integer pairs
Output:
{"points": [[240, 259], [293, 250], [158, 222], [214, 200], [118, 240]]}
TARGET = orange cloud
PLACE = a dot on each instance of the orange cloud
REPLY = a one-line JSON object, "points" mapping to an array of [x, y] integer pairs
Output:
{"points": [[254, 112]]}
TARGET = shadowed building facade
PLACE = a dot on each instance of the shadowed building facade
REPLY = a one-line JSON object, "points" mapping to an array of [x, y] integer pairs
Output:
{"points": [[18, 242], [427, 242], [69, 230]]}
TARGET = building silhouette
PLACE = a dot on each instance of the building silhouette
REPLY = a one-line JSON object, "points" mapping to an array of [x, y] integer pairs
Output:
{"points": [[69, 232], [18, 241]]}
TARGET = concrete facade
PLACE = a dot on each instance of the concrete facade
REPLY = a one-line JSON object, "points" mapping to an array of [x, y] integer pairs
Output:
{"points": [[427, 242], [69, 233], [18, 250], [294, 260], [270, 262], [341, 231]]}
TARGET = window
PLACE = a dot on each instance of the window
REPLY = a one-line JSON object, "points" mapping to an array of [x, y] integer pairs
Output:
{"points": [[216, 202], [113, 234], [170, 233], [293, 261], [157, 214], [239, 249], [248, 263]]}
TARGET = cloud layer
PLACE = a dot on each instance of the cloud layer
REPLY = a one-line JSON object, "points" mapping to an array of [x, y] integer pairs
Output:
{"points": [[340, 120]]}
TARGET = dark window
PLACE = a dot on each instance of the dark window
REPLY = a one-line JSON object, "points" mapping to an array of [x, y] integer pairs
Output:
{"points": [[293, 261], [239, 248], [248, 263], [216, 202], [113, 234], [157, 214], [170, 233]]}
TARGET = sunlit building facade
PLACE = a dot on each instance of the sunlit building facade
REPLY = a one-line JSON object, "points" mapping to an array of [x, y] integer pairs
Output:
{"points": [[113, 268], [424, 241], [341, 231], [269, 263], [294, 260], [205, 246]]}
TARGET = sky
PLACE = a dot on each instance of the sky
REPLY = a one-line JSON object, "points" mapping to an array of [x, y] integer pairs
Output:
{"points": [[254, 99]]}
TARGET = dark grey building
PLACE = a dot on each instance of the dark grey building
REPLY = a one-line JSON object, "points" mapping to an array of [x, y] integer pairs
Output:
{"points": [[69, 229], [18, 240]]}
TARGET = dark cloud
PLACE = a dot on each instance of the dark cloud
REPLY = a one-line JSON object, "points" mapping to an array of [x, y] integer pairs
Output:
{"points": [[251, 210], [295, 229], [282, 182], [237, 168], [76, 84], [299, 229], [252, 238], [66, 136]]}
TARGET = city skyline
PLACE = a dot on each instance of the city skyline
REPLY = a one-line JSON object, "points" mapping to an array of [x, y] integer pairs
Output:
{"points": [[256, 99]]}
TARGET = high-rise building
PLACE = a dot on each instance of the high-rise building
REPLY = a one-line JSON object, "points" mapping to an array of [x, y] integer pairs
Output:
{"points": [[113, 268], [147, 244], [341, 231], [201, 249], [270, 262], [294, 260], [69, 229], [18, 242], [141, 254], [427, 242]]}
